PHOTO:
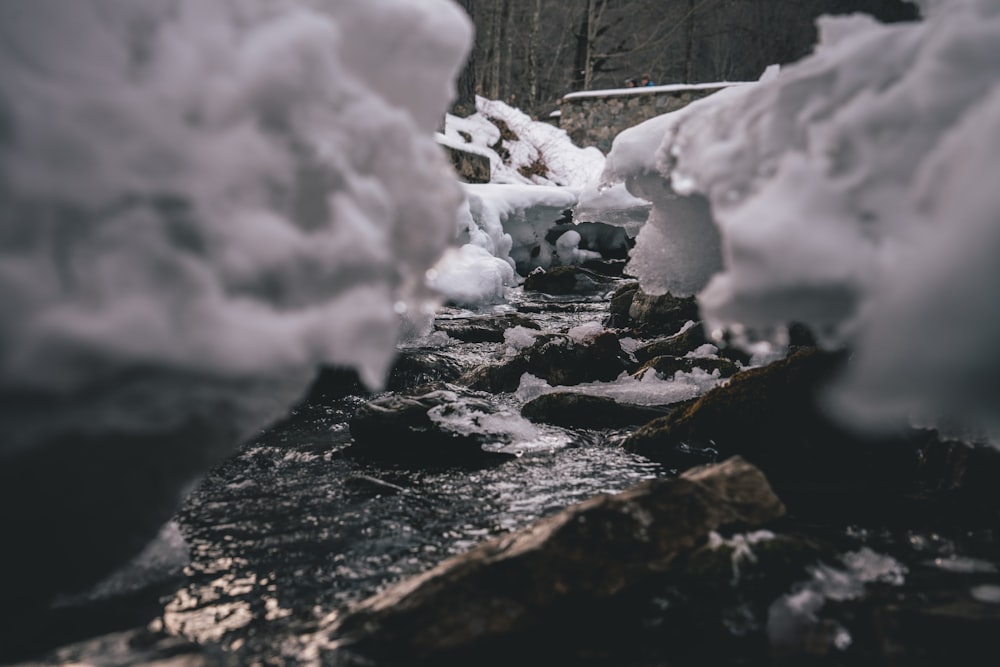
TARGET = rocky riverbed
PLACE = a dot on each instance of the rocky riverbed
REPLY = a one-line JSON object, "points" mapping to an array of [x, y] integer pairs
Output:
{"points": [[579, 476]]}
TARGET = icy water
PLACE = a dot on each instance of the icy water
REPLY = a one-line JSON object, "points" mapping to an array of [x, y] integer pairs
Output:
{"points": [[296, 525]]}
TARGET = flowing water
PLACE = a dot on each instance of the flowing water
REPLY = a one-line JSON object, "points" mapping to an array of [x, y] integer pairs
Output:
{"points": [[297, 525]]}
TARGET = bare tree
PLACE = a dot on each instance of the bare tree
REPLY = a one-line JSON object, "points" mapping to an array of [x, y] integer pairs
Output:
{"points": [[465, 93], [535, 51]]}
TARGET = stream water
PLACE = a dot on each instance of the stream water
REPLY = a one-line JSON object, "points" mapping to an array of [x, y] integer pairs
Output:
{"points": [[296, 525]]}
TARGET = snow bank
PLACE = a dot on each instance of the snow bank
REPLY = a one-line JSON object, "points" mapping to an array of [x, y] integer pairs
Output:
{"points": [[501, 227], [856, 192], [221, 192], [522, 150]]}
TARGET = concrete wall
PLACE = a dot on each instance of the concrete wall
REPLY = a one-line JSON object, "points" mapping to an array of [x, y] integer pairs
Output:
{"points": [[594, 118]]}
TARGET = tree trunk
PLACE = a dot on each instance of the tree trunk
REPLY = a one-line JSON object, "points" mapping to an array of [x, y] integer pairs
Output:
{"points": [[582, 71], [507, 37], [689, 44], [536, 20], [465, 93]]}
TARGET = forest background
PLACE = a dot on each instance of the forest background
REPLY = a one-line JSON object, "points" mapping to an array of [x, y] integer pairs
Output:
{"points": [[529, 53]]}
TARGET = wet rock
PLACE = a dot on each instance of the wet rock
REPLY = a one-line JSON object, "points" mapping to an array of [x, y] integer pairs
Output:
{"points": [[427, 428], [666, 366], [483, 329], [621, 301], [574, 410], [556, 577], [649, 315], [662, 313], [613, 268], [556, 358], [413, 368], [773, 416], [677, 345], [332, 383], [564, 280]]}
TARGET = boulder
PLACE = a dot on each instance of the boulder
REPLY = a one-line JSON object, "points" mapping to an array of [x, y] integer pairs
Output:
{"points": [[575, 410], [556, 576]]}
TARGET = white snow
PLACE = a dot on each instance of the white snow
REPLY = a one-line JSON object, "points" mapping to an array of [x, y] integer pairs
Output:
{"points": [[649, 90], [222, 194], [651, 390], [565, 164]]}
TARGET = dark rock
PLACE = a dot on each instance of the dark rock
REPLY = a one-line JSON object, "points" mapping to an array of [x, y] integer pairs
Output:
{"points": [[677, 345], [773, 417], [570, 409], [666, 366], [664, 313], [621, 302], [401, 429], [613, 268], [556, 577], [562, 280], [650, 315], [413, 368], [483, 329], [556, 358]]}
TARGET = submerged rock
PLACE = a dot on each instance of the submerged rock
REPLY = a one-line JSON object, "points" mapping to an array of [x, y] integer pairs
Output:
{"points": [[575, 410], [544, 581], [440, 424]]}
